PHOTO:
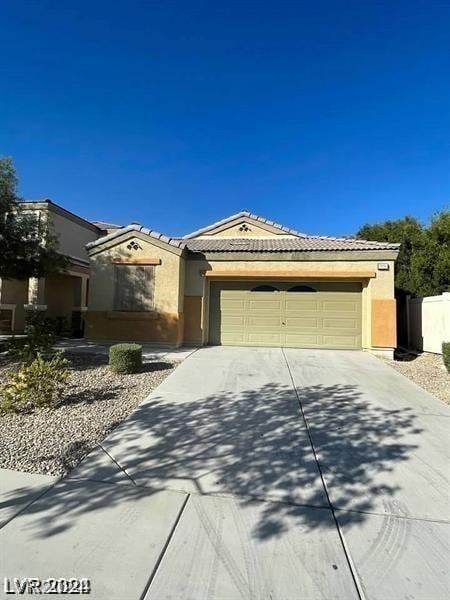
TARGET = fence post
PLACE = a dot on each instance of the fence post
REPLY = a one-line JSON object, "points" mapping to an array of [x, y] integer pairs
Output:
{"points": [[408, 333], [446, 316]]}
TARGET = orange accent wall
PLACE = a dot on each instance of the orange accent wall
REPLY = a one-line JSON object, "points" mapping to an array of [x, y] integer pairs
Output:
{"points": [[166, 328], [384, 323], [193, 319]]}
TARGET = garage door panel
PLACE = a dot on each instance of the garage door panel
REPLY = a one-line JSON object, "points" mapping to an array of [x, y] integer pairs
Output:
{"points": [[234, 321], [300, 304], [339, 307], [264, 322], [265, 338], [327, 318], [301, 322], [232, 305], [302, 339], [233, 337], [264, 305], [343, 324]]}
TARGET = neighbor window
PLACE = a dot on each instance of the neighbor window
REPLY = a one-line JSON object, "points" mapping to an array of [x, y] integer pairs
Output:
{"points": [[301, 288], [265, 288], [134, 288]]}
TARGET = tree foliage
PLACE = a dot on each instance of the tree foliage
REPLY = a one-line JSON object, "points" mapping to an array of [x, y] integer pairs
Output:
{"points": [[28, 246], [423, 264]]}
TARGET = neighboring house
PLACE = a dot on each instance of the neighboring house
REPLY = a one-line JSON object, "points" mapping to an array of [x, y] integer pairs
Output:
{"points": [[242, 281], [58, 294]]}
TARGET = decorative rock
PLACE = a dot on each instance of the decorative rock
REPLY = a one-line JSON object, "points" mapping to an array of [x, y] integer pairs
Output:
{"points": [[53, 441]]}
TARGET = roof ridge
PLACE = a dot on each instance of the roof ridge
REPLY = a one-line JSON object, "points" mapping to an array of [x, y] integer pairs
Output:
{"points": [[243, 213]]}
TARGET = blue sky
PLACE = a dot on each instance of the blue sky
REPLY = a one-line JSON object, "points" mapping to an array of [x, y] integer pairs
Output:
{"points": [[321, 115]]}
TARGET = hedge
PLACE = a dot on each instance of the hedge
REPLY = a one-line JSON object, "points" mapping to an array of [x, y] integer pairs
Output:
{"points": [[125, 358]]}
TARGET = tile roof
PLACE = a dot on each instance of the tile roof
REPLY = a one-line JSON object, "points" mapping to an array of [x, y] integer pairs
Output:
{"points": [[243, 213], [303, 244], [105, 225], [178, 243]]}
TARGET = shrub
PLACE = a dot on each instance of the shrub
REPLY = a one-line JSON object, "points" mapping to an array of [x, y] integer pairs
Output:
{"points": [[125, 358], [446, 355], [35, 384], [39, 338]]}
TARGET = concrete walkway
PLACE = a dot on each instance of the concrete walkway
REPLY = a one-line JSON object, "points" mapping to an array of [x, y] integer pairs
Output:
{"points": [[149, 351], [252, 473]]}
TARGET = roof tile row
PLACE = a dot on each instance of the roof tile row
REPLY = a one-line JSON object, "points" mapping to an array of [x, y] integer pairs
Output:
{"points": [[303, 244]]}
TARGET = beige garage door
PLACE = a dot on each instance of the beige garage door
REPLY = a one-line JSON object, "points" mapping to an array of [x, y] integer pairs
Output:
{"points": [[302, 315]]}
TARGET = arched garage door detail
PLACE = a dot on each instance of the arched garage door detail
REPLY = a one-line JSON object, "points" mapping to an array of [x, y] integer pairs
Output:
{"points": [[328, 318]]}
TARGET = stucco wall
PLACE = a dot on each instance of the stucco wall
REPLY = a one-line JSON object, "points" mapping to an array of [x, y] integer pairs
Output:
{"points": [[15, 292], [181, 291], [382, 286], [378, 303], [60, 295], [165, 323], [254, 232], [168, 275], [72, 237], [193, 285]]}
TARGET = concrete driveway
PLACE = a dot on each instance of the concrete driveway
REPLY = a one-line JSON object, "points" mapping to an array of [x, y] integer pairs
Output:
{"points": [[253, 473]]}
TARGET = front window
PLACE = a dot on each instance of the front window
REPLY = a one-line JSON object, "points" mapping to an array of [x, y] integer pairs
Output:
{"points": [[134, 288]]}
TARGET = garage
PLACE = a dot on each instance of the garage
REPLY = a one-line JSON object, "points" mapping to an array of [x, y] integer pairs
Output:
{"points": [[288, 314]]}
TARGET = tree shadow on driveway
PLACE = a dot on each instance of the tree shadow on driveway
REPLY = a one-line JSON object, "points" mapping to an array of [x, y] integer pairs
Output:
{"points": [[252, 445]]}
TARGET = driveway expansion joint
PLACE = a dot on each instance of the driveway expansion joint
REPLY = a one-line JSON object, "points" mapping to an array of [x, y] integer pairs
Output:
{"points": [[350, 562], [35, 499], [144, 594], [118, 464]]}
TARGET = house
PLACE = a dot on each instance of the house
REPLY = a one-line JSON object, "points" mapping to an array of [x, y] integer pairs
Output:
{"points": [[244, 280], [58, 294]]}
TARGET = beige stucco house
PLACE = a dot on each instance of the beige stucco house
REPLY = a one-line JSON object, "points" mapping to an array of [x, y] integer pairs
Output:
{"points": [[243, 280], [59, 294]]}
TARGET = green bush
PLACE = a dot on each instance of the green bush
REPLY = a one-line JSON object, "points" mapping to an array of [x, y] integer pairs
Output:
{"points": [[34, 384], [40, 337], [125, 358], [446, 355]]}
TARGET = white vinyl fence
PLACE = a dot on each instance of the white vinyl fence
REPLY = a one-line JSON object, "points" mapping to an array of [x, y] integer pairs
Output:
{"points": [[428, 322]]}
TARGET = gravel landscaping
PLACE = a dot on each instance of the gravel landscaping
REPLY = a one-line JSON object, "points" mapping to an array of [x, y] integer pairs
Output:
{"points": [[427, 370], [53, 440]]}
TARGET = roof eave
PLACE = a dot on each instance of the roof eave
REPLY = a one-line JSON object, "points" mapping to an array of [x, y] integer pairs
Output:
{"points": [[106, 239]]}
